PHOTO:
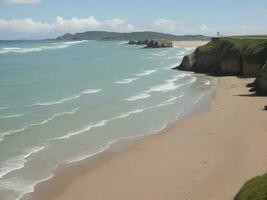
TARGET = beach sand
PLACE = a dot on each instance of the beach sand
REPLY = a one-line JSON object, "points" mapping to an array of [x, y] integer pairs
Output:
{"points": [[194, 43], [205, 157]]}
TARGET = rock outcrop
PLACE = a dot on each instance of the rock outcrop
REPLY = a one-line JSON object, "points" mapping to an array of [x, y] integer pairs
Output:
{"points": [[138, 42], [260, 84], [159, 44], [228, 56], [152, 43]]}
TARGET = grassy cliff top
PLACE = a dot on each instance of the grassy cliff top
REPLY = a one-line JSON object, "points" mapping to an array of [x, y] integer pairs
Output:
{"points": [[252, 37], [246, 46], [255, 189]]}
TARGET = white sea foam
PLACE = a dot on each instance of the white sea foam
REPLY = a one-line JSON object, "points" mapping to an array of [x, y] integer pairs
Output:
{"points": [[87, 128], [91, 91], [21, 187], [4, 134], [52, 46], [169, 85], [182, 53], [75, 42], [127, 80], [171, 57], [66, 99], [207, 83], [170, 101], [122, 43], [127, 114], [95, 125], [189, 48], [12, 116], [70, 98], [139, 96], [163, 87], [18, 162], [10, 132], [4, 107], [159, 54], [146, 72]]}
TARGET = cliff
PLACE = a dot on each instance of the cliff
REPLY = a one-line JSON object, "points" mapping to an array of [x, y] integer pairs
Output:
{"points": [[161, 43], [260, 84], [242, 56], [109, 36], [228, 56]]}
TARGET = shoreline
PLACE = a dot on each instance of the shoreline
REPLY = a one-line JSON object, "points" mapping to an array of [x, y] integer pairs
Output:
{"points": [[87, 163], [193, 43], [217, 168]]}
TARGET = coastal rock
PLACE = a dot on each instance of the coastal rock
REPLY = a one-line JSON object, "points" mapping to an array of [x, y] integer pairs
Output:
{"points": [[260, 84], [252, 67], [158, 44], [139, 42], [152, 43], [187, 63]]}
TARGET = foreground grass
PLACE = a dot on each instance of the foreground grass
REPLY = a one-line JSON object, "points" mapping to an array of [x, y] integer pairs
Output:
{"points": [[254, 189]]}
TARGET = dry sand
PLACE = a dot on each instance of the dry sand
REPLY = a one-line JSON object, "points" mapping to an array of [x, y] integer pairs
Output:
{"points": [[194, 43], [204, 157]]}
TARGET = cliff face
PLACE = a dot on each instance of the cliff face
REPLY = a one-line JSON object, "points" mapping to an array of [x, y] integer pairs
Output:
{"points": [[228, 56], [260, 84]]}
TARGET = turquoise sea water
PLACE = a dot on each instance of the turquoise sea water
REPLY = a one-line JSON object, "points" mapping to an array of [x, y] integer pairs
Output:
{"points": [[63, 101]]}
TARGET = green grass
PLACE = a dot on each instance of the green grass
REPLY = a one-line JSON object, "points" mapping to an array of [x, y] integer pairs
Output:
{"points": [[251, 47], [253, 37], [255, 189]]}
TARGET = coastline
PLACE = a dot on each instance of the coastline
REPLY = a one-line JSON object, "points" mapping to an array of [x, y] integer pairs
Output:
{"points": [[194, 43], [222, 156]]}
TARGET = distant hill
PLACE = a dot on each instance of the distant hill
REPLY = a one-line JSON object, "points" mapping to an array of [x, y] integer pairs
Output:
{"points": [[109, 36]]}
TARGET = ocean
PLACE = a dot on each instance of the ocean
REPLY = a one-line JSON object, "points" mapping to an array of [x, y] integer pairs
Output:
{"points": [[61, 102]]}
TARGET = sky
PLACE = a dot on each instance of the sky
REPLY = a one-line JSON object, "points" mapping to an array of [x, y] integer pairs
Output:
{"points": [[37, 19]]}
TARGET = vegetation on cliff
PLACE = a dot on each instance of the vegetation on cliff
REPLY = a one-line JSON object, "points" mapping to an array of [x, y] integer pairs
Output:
{"points": [[255, 189], [109, 36]]}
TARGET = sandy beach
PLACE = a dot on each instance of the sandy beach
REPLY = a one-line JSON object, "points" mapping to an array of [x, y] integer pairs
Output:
{"points": [[205, 157], [195, 43]]}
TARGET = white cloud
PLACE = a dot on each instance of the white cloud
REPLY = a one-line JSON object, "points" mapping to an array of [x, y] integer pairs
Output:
{"points": [[22, 1], [28, 26], [174, 27], [166, 25]]}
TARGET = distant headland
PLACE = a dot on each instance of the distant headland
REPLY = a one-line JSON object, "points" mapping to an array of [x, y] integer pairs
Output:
{"points": [[133, 36]]}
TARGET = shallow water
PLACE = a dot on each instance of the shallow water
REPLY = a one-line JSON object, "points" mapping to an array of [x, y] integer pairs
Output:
{"points": [[63, 101]]}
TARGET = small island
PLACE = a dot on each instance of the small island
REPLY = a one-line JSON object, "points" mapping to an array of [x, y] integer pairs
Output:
{"points": [[160, 43]]}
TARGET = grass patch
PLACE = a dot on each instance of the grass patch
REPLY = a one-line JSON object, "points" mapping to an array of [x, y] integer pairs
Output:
{"points": [[254, 189]]}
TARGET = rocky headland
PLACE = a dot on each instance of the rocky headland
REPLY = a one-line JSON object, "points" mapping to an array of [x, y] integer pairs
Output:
{"points": [[160, 43], [240, 56]]}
